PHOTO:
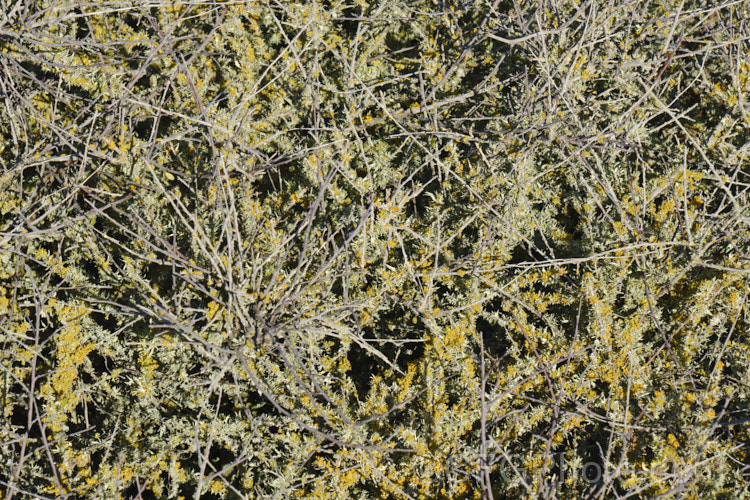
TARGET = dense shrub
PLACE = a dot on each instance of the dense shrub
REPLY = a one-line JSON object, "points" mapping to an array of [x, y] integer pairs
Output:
{"points": [[429, 249]]}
